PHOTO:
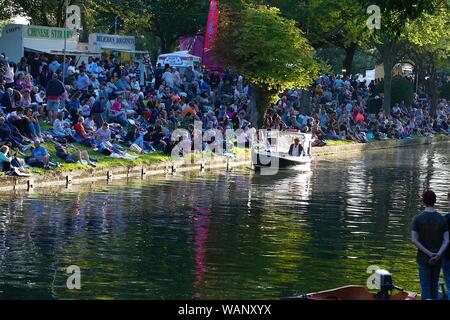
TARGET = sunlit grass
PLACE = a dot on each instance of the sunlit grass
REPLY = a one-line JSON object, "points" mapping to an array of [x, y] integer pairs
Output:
{"points": [[339, 142], [104, 161]]}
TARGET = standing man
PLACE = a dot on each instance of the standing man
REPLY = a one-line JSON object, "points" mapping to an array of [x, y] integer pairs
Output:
{"points": [[55, 91], [158, 76], [83, 82], [429, 232], [98, 110], [446, 262], [189, 77]]}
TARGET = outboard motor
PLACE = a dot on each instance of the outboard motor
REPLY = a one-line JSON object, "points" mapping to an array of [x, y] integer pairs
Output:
{"points": [[383, 283]]}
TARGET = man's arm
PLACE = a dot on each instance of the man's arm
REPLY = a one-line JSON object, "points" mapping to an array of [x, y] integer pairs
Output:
{"points": [[444, 244], [436, 257], [416, 242]]}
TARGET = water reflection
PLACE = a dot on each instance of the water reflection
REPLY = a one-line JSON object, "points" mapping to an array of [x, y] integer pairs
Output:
{"points": [[223, 236]]}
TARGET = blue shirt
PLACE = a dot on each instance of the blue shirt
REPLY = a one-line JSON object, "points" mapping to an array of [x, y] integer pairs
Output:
{"points": [[39, 153], [82, 82]]}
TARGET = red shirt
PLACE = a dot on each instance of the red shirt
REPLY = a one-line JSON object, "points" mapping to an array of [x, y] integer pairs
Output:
{"points": [[79, 128]]}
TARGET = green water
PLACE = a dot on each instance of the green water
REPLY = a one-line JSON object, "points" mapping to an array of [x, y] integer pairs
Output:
{"points": [[233, 235]]}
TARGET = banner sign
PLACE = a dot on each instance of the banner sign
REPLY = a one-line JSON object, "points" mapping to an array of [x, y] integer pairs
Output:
{"points": [[98, 41], [211, 26], [47, 33], [173, 61]]}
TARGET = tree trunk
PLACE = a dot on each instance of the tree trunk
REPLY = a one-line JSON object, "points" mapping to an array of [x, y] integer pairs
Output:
{"points": [[433, 93], [388, 64], [61, 14], [348, 61], [166, 45], [262, 101], [84, 36]]}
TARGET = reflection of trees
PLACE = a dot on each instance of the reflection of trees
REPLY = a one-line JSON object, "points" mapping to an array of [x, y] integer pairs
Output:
{"points": [[223, 235], [373, 200]]}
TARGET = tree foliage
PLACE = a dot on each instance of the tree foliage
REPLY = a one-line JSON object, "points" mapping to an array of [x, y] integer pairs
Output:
{"points": [[269, 50], [327, 23], [429, 39], [266, 48], [168, 20], [390, 40], [165, 19]]}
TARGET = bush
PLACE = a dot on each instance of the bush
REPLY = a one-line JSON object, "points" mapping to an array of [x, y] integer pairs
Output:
{"points": [[402, 90]]}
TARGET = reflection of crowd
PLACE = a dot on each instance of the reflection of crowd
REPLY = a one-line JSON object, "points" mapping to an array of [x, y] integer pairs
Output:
{"points": [[342, 108], [109, 107]]}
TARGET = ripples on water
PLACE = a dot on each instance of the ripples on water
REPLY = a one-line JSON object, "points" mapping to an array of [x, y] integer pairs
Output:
{"points": [[223, 236]]}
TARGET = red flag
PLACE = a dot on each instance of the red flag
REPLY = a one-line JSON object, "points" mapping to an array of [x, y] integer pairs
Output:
{"points": [[211, 26]]}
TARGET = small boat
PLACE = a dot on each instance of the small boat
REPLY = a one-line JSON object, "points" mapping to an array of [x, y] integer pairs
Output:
{"points": [[383, 284], [355, 293], [282, 160], [276, 154]]}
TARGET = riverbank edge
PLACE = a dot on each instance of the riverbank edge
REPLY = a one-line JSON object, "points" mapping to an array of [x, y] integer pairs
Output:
{"points": [[376, 145], [68, 178]]}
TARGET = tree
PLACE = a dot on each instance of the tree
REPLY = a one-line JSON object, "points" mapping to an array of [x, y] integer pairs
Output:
{"points": [[166, 19], [390, 43], [267, 49], [329, 23], [429, 37], [41, 12]]}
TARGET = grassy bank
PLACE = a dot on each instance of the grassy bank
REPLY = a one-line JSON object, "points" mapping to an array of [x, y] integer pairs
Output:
{"points": [[105, 161]]}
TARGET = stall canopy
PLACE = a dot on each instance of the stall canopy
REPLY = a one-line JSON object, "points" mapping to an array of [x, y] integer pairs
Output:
{"points": [[38, 50], [75, 53], [124, 50]]}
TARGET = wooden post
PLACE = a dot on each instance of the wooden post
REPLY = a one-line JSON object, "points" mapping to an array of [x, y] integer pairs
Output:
{"points": [[68, 181]]}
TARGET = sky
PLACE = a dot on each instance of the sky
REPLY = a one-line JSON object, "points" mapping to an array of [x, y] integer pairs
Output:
{"points": [[20, 20]]}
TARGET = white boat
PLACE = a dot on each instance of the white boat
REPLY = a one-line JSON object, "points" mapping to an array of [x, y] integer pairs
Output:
{"points": [[277, 153]]}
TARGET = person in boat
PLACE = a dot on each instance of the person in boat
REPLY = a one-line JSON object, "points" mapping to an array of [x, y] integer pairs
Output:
{"points": [[429, 232], [296, 149]]}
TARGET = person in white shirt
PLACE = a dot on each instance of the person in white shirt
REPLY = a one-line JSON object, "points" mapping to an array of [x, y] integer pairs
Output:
{"points": [[89, 124], [59, 126], [168, 77]]}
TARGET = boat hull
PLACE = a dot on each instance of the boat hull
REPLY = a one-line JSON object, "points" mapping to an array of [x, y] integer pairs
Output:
{"points": [[282, 161], [353, 293]]}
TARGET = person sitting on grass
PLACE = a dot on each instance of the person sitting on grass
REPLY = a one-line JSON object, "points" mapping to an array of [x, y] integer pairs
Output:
{"points": [[75, 156], [5, 159], [89, 124], [33, 125], [81, 136], [9, 162], [103, 134], [10, 134], [60, 128], [40, 158]]}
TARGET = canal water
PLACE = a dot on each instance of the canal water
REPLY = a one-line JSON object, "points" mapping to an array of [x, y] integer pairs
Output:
{"points": [[235, 235]]}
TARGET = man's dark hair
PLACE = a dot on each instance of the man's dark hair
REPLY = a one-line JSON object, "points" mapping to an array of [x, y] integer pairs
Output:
{"points": [[429, 198]]}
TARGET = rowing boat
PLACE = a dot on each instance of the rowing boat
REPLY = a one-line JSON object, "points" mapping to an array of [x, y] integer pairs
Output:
{"points": [[355, 293]]}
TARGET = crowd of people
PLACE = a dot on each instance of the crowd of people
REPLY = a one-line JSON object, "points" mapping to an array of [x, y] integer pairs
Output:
{"points": [[343, 108], [110, 107]]}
